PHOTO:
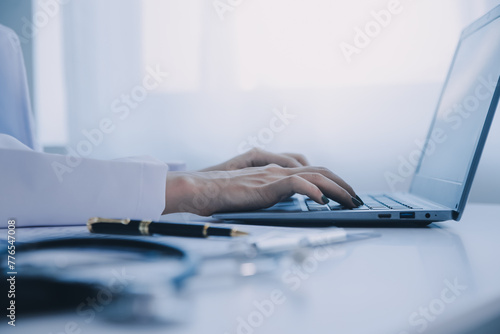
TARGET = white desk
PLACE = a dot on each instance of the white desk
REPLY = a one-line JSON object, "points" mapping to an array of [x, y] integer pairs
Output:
{"points": [[396, 283]]}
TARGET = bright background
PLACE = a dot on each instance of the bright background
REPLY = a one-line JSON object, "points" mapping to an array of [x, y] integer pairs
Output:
{"points": [[229, 71]]}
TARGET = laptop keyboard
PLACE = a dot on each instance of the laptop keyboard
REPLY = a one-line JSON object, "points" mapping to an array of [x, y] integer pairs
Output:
{"points": [[379, 202]]}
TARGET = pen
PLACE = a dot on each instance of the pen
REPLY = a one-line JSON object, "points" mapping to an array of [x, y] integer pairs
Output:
{"points": [[147, 227]]}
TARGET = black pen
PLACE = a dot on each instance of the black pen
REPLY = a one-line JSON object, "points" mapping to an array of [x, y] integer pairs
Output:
{"points": [[147, 227]]}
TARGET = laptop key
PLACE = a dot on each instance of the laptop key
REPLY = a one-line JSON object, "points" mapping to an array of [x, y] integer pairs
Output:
{"points": [[313, 206], [334, 206], [395, 204], [399, 207], [375, 205], [362, 207], [291, 208], [318, 208]]}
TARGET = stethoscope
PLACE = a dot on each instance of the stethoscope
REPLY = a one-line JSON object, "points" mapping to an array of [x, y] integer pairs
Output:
{"points": [[42, 288], [65, 290], [37, 276], [153, 250]]}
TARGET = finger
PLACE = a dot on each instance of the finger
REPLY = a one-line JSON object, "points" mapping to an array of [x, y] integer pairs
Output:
{"points": [[264, 158], [330, 188], [287, 186], [325, 172], [299, 157]]}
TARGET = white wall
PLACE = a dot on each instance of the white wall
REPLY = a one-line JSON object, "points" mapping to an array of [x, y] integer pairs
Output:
{"points": [[227, 76]]}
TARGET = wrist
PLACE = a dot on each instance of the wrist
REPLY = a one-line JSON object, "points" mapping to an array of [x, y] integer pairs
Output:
{"points": [[176, 188], [181, 191]]}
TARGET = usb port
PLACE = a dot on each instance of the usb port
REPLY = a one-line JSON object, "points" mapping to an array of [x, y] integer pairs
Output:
{"points": [[384, 215], [407, 215]]}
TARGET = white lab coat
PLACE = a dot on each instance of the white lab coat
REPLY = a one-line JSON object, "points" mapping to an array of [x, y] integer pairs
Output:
{"points": [[32, 191]]}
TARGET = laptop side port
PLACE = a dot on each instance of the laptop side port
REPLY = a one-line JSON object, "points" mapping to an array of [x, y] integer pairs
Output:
{"points": [[384, 215], [406, 215]]}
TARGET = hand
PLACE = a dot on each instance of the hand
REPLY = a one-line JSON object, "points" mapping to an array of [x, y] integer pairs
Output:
{"points": [[252, 188], [257, 158]]}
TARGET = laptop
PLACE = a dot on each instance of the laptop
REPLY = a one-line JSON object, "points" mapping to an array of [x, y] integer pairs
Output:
{"points": [[449, 159]]}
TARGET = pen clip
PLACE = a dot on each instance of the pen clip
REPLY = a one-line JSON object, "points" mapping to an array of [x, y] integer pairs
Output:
{"points": [[95, 220]]}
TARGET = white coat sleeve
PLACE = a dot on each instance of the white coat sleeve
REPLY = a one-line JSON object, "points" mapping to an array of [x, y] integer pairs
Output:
{"points": [[39, 189]]}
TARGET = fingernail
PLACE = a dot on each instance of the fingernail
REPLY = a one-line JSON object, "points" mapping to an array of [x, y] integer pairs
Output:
{"points": [[359, 199], [356, 201], [325, 199]]}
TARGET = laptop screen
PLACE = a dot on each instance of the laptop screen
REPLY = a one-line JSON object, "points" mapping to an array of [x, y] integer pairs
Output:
{"points": [[461, 115]]}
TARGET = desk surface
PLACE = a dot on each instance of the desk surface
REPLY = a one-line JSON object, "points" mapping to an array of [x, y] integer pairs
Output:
{"points": [[407, 280]]}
